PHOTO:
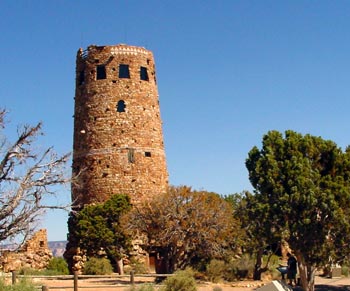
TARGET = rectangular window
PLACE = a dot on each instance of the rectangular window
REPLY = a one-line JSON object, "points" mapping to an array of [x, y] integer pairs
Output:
{"points": [[124, 71], [143, 74], [148, 154], [101, 72], [131, 156]]}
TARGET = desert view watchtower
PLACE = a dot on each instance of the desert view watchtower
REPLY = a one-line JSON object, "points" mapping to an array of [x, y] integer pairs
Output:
{"points": [[118, 141]]}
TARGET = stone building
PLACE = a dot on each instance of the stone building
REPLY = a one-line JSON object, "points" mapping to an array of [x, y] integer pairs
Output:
{"points": [[118, 141], [34, 254]]}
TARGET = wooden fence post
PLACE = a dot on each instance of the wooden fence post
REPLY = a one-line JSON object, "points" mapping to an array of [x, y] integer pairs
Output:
{"points": [[132, 278], [14, 277], [75, 281]]}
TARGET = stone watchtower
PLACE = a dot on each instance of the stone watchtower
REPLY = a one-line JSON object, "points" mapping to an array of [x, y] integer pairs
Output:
{"points": [[118, 141]]}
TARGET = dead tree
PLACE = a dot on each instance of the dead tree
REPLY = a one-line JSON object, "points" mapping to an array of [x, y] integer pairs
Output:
{"points": [[27, 177]]}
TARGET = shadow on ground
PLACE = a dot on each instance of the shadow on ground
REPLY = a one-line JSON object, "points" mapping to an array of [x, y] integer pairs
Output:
{"points": [[325, 287]]}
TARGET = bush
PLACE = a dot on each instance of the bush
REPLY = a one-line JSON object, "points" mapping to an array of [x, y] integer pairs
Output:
{"points": [[145, 287], [215, 270], [136, 266], [217, 288], [181, 281], [239, 268], [98, 266], [345, 271], [22, 285], [58, 266]]}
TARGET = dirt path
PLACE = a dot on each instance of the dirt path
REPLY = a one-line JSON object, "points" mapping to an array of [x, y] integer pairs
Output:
{"points": [[322, 284]]}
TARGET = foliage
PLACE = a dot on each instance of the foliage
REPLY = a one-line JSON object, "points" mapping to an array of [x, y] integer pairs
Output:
{"points": [[345, 271], [98, 266], [302, 193], [59, 266], [27, 177], [215, 270], [181, 281], [136, 266], [21, 285], [143, 287], [97, 227], [258, 232], [187, 225], [217, 288]]}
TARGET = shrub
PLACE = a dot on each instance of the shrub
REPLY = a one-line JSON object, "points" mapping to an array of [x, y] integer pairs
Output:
{"points": [[181, 281], [136, 266], [26, 271], [144, 287], [98, 266], [215, 270], [22, 285], [217, 288], [59, 266], [239, 268], [345, 271]]}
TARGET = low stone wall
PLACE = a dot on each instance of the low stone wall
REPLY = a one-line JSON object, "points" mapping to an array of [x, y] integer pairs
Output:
{"points": [[34, 254]]}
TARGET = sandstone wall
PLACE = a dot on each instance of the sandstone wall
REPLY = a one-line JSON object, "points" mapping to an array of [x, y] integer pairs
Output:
{"points": [[34, 254], [118, 140]]}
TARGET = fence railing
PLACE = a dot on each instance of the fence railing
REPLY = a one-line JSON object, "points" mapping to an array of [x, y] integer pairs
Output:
{"points": [[130, 279]]}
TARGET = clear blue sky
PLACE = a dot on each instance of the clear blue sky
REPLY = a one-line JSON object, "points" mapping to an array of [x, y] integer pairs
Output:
{"points": [[228, 71]]}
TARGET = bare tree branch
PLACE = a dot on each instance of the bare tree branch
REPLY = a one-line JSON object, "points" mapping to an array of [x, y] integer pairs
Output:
{"points": [[27, 177]]}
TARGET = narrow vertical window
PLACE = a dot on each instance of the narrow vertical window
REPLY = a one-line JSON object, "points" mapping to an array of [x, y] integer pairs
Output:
{"points": [[143, 74], [101, 72], [131, 156], [124, 71], [121, 106], [81, 79]]}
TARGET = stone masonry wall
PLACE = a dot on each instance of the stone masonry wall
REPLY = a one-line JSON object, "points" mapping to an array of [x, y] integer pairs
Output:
{"points": [[118, 141], [34, 254]]}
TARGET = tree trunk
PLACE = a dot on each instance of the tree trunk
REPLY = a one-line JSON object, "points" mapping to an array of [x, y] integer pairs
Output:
{"points": [[257, 268], [307, 275], [120, 267]]}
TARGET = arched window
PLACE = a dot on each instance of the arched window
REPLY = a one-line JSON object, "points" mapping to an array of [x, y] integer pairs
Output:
{"points": [[121, 106]]}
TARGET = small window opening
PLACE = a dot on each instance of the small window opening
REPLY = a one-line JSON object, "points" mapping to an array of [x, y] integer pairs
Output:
{"points": [[101, 72], [148, 154], [131, 156], [124, 71], [143, 74], [121, 106], [81, 78], [41, 243]]}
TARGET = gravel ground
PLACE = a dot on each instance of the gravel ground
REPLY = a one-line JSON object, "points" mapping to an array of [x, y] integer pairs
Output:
{"points": [[322, 284]]}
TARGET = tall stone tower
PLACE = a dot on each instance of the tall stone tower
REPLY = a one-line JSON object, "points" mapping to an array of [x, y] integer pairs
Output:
{"points": [[118, 141]]}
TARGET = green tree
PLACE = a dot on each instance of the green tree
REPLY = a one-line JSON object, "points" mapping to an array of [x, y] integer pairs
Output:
{"points": [[97, 227], [302, 192], [185, 226], [258, 231]]}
